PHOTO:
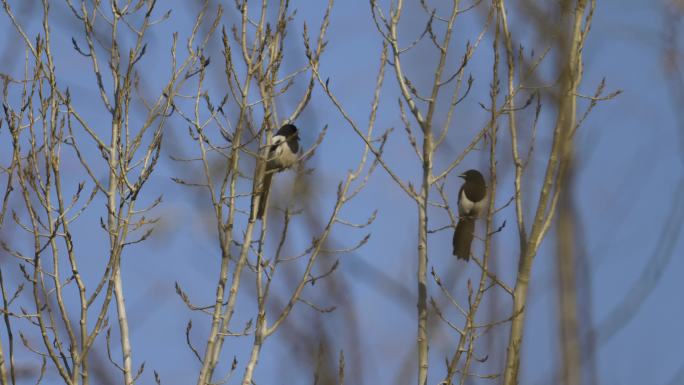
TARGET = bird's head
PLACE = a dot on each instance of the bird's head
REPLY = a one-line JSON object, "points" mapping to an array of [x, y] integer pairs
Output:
{"points": [[472, 175], [288, 131]]}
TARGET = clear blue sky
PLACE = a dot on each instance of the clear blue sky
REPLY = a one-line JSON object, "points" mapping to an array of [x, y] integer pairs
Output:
{"points": [[629, 164]]}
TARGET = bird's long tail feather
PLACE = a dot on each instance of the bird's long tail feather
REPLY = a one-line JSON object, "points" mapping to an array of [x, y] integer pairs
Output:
{"points": [[262, 196], [463, 237]]}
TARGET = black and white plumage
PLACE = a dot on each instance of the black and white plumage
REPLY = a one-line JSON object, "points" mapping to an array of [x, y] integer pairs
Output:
{"points": [[471, 203], [282, 154]]}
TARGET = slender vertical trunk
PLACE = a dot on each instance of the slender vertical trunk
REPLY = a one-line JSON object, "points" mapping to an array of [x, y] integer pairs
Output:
{"points": [[570, 45], [253, 359], [261, 328], [115, 250], [3, 363], [422, 337], [3, 368], [226, 237], [123, 327]]}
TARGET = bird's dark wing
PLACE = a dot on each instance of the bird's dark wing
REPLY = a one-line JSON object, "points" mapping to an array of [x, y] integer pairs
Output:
{"points": [[294, 145], [475, 190]]}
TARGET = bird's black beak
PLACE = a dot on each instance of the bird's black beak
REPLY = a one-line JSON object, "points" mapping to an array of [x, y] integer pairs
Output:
{"points": [[462, 176]]}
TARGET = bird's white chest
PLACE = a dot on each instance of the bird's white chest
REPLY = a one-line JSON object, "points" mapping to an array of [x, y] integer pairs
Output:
{"points": [[468, 207], [282, 156]]}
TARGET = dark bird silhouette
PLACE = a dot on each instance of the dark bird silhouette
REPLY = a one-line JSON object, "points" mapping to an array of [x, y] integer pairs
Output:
{"points": [[471, 203], [282, 154]]}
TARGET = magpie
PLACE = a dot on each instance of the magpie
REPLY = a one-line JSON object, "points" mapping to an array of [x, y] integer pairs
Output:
{"points": [[282, 154], [471, 203]]}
